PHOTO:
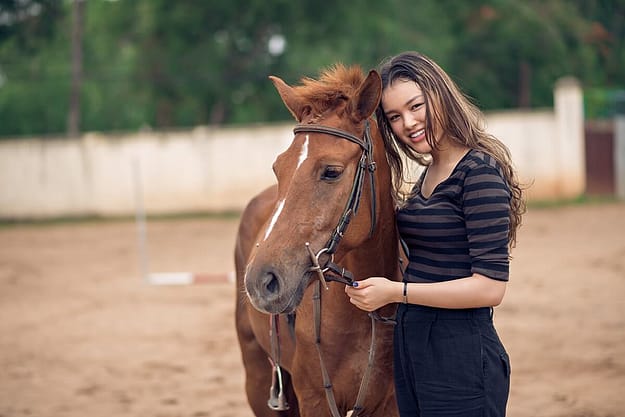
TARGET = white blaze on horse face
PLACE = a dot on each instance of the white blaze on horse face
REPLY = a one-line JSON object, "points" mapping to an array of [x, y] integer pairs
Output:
{"points": [[303, 153], [274, 219]]}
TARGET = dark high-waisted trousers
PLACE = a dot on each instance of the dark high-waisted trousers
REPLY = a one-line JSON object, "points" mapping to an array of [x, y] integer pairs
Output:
{"points": [[449, 363]]}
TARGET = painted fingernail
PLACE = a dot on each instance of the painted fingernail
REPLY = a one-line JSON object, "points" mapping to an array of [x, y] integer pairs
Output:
{"points": [[354, 284]]}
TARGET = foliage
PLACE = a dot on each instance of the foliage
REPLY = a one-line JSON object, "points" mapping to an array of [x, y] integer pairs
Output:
{"points": [[163, 64]]}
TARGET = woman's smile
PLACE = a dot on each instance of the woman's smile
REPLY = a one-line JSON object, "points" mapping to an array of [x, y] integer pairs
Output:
{"points": [[417, 136]]}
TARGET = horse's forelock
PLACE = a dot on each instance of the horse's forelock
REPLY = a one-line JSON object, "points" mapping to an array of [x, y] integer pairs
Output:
{"points": [[335, 84]]}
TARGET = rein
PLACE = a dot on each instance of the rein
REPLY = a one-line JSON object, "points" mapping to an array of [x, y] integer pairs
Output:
{"points": [[365, 164]]}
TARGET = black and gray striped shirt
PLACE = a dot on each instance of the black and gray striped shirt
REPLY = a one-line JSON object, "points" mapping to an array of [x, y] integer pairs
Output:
{"points": [[462, 228]]}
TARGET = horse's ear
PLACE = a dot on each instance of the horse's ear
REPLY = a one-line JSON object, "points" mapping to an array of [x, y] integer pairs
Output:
{"points": [[368, 96], [289, 98]]}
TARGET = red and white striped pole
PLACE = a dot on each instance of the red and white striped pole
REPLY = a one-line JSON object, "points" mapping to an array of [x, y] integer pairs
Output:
{"points": [[188, 278]]}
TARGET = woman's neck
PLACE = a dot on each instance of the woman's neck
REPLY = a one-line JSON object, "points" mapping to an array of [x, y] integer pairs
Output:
{"points": [[449, 154]]}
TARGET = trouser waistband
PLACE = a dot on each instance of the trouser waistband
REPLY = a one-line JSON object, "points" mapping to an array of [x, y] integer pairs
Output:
{"points": [[446, 313]]}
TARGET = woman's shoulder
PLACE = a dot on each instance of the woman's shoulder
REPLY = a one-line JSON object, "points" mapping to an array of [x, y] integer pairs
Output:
{"points": [[477, 162], [482, 174], [476, 158]]}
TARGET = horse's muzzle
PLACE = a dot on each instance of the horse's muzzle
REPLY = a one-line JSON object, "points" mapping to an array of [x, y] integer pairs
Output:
{"points": [[268, 292]]}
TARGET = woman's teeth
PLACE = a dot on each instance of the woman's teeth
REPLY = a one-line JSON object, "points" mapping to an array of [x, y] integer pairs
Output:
{"points": [[417, 133]]}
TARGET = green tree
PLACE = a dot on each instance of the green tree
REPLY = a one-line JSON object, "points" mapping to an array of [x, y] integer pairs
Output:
{"points": [[509, 53], [34, 82], [162, 64]]}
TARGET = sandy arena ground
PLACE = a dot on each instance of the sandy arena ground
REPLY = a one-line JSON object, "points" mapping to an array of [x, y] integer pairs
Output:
{"points": [[82, 335]]}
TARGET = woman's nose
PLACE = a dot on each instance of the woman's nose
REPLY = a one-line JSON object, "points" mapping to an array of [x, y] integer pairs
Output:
{"points": [[409, 121]]}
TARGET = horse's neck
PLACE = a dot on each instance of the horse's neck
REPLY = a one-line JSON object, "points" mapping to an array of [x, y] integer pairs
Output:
{"points": [[379, 254], [384, 243]]}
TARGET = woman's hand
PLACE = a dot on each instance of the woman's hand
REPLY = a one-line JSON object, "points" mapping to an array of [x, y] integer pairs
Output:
{"points": [[373, 293]]}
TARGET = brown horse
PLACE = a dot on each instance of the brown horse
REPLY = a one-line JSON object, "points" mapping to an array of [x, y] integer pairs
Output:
{"points": [[331, 209]]}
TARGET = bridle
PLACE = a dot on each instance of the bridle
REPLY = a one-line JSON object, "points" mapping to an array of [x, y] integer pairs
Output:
{"points": [[366, 164]]}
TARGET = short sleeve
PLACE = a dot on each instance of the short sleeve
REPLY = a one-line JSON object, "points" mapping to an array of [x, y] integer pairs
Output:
{"points": [[486, 208]]}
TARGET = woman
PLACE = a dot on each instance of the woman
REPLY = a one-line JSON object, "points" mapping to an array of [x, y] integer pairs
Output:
{"points": [[459, 222]]}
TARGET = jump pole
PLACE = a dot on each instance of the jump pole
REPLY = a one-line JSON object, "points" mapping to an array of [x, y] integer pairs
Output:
{"points": [[188, 278], [144, 268], [162, 278]]}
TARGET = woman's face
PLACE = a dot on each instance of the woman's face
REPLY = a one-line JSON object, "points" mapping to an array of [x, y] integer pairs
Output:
{"points": [[404, 106]]}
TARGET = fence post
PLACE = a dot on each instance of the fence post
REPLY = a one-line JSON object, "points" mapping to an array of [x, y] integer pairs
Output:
{"points": [[569, 112]]}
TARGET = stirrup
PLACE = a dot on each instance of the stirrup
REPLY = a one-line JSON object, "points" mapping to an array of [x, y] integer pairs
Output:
{"points": [[277, 399]]}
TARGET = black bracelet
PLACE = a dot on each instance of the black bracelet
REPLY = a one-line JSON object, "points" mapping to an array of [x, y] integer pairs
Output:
{"points": [[405, 292]]}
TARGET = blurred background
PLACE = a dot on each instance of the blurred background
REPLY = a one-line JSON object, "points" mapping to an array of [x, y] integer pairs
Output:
{"points": [[72, 66], [103, 102]]}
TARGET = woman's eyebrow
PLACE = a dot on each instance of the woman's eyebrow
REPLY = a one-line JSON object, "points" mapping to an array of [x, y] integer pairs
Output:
{"points": [[410, 100], [413, 99]]}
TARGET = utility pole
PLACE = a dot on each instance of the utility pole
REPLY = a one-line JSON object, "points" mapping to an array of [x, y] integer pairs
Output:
{"points": [[73, 116]]}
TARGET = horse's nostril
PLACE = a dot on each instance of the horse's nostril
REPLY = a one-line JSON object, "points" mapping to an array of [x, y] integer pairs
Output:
{"points": [[271, 283]]}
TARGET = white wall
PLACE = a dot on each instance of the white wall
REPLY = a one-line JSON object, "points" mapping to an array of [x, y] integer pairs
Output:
{"points": [[217, 169]]}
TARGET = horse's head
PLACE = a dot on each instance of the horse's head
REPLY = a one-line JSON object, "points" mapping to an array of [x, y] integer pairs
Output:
{"points": [[324, 177]]}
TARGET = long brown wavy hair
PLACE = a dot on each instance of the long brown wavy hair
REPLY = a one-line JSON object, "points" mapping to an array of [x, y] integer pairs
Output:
{"points": [[461, 121]]}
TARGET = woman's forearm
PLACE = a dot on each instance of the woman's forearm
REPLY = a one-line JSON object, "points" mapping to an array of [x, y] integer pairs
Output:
{"points": [[474, 291]]}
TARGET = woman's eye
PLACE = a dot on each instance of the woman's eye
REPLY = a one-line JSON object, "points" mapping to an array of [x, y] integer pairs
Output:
{"points": [[331, 173], [416, 106]]}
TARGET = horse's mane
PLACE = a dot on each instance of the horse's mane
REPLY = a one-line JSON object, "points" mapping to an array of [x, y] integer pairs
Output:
{"points": [[335, 84]]}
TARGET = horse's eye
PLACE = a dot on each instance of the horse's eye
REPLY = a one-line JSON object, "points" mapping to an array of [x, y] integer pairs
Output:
{"points": [[331, 173]]}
